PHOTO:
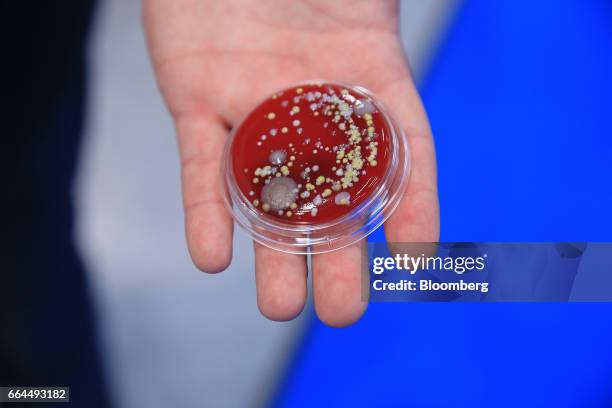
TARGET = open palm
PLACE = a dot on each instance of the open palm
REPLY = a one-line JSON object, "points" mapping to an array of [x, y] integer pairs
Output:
{"points": [[215, 60]]}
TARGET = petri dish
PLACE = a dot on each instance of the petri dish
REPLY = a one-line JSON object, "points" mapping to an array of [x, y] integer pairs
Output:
{"points": [[315, 167]]}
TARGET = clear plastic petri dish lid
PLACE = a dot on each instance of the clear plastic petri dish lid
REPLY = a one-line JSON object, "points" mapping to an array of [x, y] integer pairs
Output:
{"points": [[315, 167]]}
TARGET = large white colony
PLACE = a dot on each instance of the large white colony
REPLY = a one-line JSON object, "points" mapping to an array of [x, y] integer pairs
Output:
{"points": [[279, 193]]}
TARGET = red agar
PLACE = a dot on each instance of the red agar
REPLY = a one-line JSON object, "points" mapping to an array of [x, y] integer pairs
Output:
{"points": [[312, 153]]}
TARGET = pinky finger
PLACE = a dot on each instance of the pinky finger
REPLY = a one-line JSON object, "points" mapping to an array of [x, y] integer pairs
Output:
{"points": [[208, 224]]}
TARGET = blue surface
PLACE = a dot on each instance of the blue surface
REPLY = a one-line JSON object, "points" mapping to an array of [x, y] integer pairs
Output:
{"points": [[520, 104]]}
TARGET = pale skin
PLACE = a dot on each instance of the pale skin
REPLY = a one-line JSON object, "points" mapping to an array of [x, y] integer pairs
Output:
{"points": [[215, 60]]}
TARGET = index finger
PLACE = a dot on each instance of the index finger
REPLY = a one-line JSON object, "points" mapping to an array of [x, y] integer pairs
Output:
{"points": [[417, 217]]}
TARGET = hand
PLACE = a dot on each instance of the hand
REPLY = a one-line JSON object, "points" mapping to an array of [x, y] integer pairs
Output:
{"points": [[215, 60]]}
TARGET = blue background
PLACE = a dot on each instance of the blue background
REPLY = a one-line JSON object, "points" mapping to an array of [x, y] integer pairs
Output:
{"points": [[519, 102]]}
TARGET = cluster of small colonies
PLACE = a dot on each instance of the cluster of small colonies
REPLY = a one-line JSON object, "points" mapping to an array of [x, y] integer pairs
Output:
{"points": [[311, 154]]}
